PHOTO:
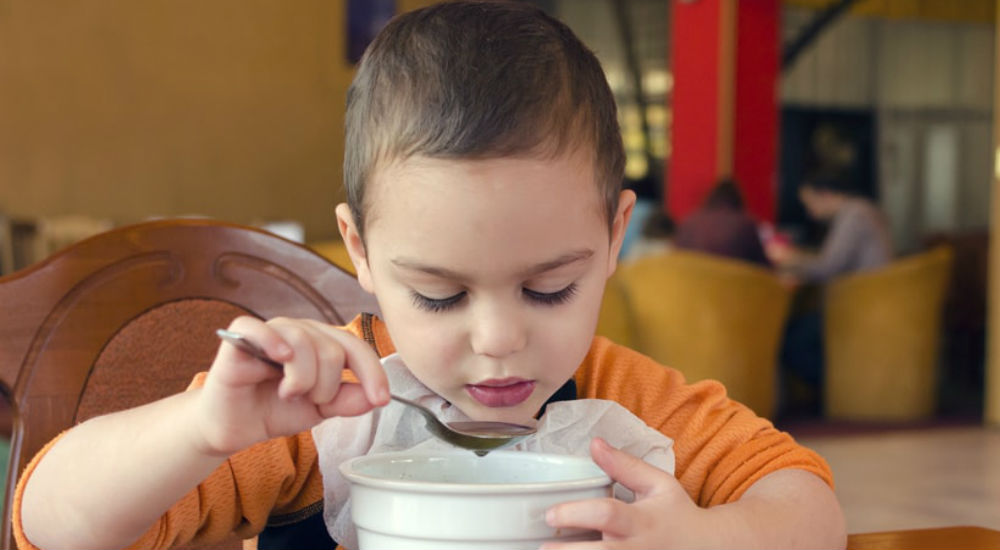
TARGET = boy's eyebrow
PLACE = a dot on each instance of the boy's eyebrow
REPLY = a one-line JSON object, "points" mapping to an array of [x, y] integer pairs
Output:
{"points": [[565, 259]]}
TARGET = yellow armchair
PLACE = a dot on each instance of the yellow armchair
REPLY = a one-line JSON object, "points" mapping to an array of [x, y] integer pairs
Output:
{"points": [[709, 317], [615, 319], [882, 332], [336, 251]]}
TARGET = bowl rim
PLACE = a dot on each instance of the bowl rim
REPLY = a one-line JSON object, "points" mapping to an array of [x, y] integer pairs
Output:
{"points": [[348, 469]]}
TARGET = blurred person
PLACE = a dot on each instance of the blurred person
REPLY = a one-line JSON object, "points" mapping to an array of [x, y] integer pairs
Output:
{"points": [[722, 226], [858, 237]]}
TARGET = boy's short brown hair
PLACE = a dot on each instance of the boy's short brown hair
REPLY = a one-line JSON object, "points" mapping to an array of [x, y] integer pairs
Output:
{"points": [[478, 79]]}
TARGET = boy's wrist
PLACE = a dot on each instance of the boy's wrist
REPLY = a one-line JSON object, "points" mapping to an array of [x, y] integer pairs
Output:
{"points": [[198, 432]]}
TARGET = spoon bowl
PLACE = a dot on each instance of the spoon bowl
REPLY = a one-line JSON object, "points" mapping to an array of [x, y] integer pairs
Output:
{"points": [[481, 437]]}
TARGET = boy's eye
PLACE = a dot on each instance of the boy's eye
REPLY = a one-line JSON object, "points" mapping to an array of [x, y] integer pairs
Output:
{"points": [[436, 304], [551, 298]]}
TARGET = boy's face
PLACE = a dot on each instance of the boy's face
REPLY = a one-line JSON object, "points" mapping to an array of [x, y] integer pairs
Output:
{"points": [[489, 273]]}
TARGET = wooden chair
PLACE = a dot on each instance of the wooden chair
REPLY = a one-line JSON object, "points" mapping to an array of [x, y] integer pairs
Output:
{"points": [[711, 318], [882, 334], [128, 316], [6, 246]]}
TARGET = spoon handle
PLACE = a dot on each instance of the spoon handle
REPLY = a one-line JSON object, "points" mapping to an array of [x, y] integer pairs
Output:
{"points": [[427, 414], [247, 346]]}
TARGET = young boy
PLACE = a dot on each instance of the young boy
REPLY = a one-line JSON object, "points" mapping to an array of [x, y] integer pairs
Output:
{"points": [[483, 166]]}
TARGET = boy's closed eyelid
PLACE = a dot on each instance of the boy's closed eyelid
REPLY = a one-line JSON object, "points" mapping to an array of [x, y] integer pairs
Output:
{"points": [[438, 305], [552, 298]]}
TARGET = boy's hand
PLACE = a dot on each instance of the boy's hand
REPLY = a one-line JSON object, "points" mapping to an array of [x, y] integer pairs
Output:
{"points": [[662, 516], [245, 401]]}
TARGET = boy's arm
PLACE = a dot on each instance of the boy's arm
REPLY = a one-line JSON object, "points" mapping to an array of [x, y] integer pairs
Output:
{"points": [[723, 453], [721, 447], [278, 477], [788, 508], [106, 481]]}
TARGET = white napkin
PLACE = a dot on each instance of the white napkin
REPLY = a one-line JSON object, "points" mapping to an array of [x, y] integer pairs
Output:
{"points": [[566, 428]]}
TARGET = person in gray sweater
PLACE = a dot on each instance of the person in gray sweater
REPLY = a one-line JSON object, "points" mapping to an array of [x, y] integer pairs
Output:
{"points": [[858, 238]]}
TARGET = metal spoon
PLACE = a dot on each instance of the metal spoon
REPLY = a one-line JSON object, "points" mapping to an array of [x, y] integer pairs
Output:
{"points": [[481, 437]]}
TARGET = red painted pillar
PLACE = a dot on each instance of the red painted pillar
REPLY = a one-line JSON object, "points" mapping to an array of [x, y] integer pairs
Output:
{"points": [[724, 59], [695, 48], [755, 129]]}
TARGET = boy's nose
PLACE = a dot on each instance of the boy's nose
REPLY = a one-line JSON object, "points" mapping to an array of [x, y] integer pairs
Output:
{"points": [[498, 332]]}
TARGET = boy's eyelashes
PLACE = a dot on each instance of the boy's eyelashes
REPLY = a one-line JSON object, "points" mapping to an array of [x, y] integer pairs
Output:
{"points": [[436, 305], [550, 298]]}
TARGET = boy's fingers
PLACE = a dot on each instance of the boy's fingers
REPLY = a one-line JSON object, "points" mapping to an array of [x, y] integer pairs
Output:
{"points": [[300, 371], [263, 335], [607, 515], [585, 545], [328, 379], [351, 400], [361, 359], [635, 474], [318, 374]]}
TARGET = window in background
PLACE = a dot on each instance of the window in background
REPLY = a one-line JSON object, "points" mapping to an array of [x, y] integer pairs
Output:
{"points": [[647, 22]]}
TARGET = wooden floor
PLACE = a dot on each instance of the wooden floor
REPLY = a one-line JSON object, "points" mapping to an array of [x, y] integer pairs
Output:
{"points": [[903, 479]]}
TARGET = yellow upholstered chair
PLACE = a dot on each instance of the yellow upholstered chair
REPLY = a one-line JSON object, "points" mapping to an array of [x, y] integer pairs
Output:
{"points": [[615, 320], [335, 251], [882, 332], [710, 317]]}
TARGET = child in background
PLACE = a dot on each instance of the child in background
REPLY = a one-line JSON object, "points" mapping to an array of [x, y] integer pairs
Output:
{"points": [[483, 164]]}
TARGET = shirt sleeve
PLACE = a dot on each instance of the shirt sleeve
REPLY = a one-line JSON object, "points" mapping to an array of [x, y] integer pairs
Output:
{"points": [[273, 479], [840, 247], [721, 447]]}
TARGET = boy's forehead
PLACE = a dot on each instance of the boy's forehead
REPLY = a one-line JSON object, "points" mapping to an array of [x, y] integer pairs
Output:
{"points": [[390, 176], [417, 183]]}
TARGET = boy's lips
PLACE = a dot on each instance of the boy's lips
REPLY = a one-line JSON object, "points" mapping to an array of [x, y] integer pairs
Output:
{"points": [[501, 393]]}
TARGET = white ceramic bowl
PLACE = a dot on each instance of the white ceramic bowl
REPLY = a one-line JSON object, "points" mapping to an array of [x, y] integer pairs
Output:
{"points": [[456, 499]]}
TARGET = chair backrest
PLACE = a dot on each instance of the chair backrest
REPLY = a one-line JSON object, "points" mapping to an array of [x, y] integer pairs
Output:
{"points": [[6, 246], [710, 317], [882, 334], [128, 316]]}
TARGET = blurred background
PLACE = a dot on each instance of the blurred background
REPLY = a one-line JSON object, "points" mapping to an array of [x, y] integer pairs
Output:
{"points": [[113, 113]]}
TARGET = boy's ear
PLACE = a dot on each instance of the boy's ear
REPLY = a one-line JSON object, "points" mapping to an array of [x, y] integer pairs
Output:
{"points": [[355, 246], [626, 202]]}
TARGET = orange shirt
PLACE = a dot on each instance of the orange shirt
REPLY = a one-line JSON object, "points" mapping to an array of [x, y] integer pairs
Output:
{"points": [[721, 448]]}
